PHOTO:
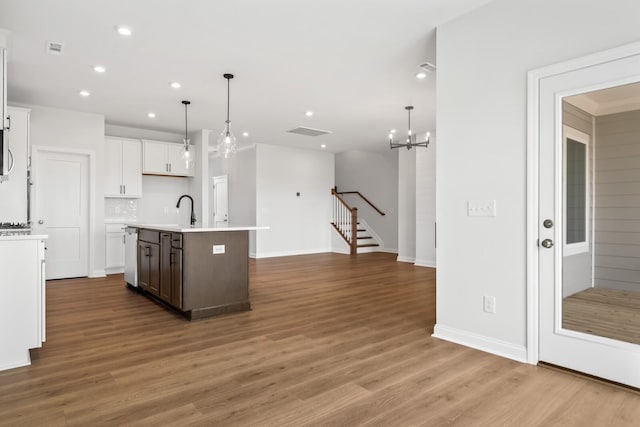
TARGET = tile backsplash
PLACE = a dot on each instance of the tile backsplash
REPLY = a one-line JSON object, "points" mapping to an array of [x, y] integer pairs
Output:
{"points": [[121, 209]]}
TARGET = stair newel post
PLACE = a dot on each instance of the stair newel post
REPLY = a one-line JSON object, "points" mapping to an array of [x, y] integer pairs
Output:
{"points": [[354, 231]]}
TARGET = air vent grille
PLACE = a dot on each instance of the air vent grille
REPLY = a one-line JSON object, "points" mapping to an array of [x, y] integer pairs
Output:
{"points": [[54, 48], [308, 131]]}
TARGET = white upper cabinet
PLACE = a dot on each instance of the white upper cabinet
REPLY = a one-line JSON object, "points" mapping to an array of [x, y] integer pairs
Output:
{"points": [[164, 158], [123, 168]]}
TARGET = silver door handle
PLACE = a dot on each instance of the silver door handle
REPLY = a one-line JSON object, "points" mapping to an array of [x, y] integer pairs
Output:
{"points": [[547, 243], [41, 222]]}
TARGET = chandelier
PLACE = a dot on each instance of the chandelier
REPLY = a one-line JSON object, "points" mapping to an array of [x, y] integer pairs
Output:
{"points": [[411, 139]]}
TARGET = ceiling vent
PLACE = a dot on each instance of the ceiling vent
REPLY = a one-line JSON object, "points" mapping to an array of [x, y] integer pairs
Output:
{"points": [[308, 131], [54, 48]]}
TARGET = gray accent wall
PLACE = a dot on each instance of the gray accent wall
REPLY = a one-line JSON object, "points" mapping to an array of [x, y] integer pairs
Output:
{"points": [[577, 269], [617, 215]]}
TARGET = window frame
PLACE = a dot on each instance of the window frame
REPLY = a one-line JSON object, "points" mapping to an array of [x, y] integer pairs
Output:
{"points": [[582, 138]]}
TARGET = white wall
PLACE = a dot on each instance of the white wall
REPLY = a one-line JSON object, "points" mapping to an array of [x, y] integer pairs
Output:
{"points": [[375, 175], [407, 205], [138, 133], [298, 224], [199, 187], [53, 127], [241, 187], [483, 58], [426, 205]]}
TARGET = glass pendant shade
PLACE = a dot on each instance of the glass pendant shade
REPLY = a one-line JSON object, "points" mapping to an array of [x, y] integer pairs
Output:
{"points": [[227, 145], [187, 154], [227, 142]]}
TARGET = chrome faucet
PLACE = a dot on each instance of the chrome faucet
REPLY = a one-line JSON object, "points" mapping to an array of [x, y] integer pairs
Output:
{"points": [[193, 215]]}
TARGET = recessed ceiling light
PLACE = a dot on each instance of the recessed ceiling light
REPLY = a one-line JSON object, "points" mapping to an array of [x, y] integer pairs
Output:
{"points": [[308, 113], [393, 131], [421, 75], [85, 93], [151, 115], [176, 85], [245, 133], [123, 30], [99, 69], [323, 146]]}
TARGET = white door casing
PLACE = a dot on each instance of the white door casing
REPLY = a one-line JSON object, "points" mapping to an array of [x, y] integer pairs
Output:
{"points": [[61, 195], [602, 357], [220, 200]]}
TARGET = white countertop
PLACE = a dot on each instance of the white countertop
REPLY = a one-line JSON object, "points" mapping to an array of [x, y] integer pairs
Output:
{"points": [[195, 229], [24, 237]]}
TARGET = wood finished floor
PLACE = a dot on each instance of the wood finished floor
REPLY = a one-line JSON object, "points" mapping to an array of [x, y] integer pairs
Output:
{"points": [[332, 340], [609, 313]]}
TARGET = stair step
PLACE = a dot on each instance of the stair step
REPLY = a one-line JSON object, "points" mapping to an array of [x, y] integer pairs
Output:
{"points": [[361, 229], [368, 245], [364, 237]]}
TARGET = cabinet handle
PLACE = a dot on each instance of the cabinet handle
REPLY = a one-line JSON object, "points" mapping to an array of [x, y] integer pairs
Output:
{"points": [[166, 167], [124, 189], [124, 240], [169, 167], [147, 251]]}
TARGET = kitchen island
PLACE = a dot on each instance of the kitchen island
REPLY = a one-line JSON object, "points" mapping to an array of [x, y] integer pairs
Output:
{"points": [[198, 271]]}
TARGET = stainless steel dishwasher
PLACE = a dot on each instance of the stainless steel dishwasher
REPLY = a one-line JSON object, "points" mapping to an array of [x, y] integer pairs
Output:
{"points": [[131, 256]]}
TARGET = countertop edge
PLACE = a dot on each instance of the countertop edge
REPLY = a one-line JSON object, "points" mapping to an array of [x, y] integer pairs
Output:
{"points": [[181, 229], [24, 237]]}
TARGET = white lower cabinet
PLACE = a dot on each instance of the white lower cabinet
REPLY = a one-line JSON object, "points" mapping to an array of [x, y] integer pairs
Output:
{"points": [[114, 262], [23, 302]]}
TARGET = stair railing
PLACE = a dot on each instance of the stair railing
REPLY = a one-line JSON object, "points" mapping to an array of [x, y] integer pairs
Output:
{"points": [[345, 221], [335, 189]]}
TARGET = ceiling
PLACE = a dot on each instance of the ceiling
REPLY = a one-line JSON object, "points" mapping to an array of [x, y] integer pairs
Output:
{"points": [[352, 63], [617, 99]]}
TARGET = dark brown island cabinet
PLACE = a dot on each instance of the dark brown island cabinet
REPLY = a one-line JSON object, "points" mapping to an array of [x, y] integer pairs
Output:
{"points": [[200, 274]]}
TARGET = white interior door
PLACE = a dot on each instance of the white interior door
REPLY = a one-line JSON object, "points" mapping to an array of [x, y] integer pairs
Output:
{"points": [[565, 228], [220, 200], [61, 193]]}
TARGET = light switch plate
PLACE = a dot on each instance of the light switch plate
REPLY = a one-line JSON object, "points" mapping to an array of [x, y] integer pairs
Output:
{"points": [[218, 249], [481, 208]]}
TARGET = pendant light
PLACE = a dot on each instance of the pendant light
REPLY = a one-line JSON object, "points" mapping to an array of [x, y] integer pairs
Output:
{"points": [[411, 140], [227, 141], [187, 154]]}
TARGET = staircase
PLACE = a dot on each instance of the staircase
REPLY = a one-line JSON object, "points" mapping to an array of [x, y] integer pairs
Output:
{"points": [[344, 218]]}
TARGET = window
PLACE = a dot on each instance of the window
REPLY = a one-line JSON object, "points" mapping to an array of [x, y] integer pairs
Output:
{"points": [[576, 191]]}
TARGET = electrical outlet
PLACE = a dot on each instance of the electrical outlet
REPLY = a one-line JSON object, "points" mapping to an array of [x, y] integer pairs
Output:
{"points": [[481, 208], [489, 304], [218, 249]]}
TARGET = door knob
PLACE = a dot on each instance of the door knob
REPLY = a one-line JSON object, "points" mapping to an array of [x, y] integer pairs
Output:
{"points": [[547, 223], [41, 222], [547, 243]]}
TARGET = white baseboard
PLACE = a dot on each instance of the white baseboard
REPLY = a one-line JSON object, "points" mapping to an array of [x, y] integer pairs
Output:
{"points": [[389, 250], [405, 259], [425, 263], [98, 273], [341, 251], [292, 253], [252, 255], [481, 342], [115, 270]]}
